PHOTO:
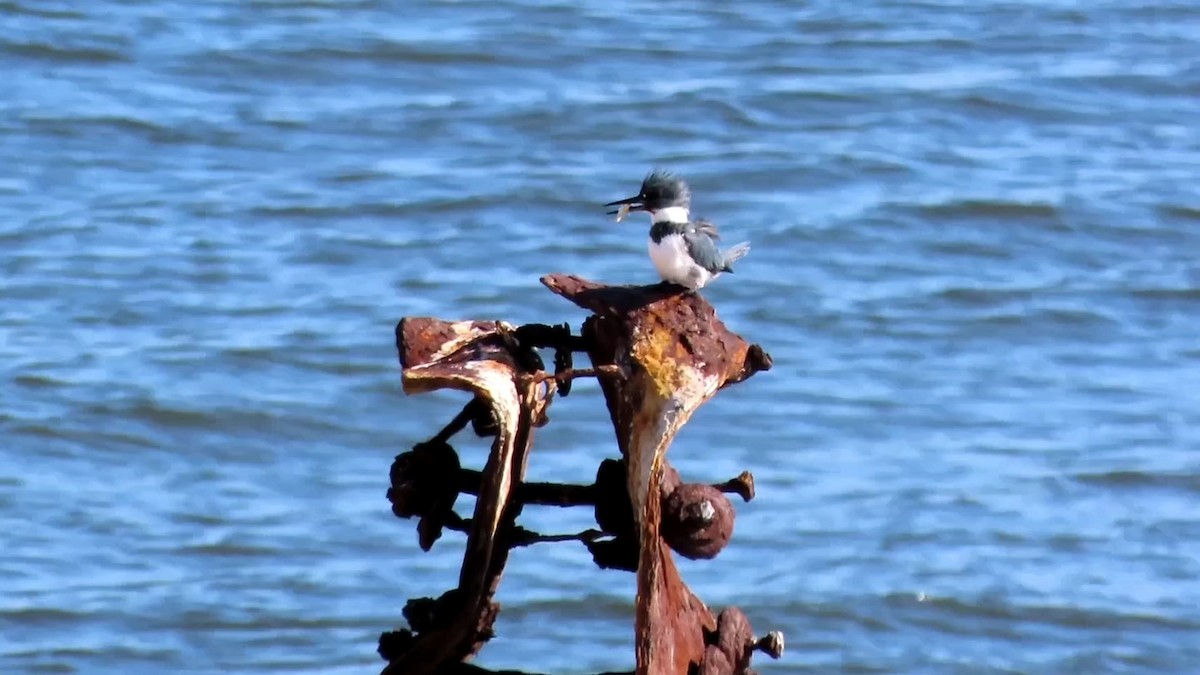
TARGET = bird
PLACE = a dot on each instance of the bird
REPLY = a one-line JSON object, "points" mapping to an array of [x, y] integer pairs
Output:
{"points": [[684, 251]]}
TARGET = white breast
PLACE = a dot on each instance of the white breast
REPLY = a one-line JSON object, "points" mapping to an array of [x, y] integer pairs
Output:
{"points": [[673, 263]]}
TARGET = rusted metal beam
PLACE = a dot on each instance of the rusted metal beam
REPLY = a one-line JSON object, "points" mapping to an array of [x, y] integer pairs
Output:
{"points": [[675, 354], [659, 353], [486, 360]]}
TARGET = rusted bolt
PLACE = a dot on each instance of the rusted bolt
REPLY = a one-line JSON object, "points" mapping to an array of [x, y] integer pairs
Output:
{"points": [[619, 553], [425, 483], [733, 634], [757, 359], [483, 420], [563, 362], [743, 486], [771, 644], [423, 478], [716, 662], [614, 512], [478, 413], [697, 521], [420, 613], [736, 639], [394, 643]]}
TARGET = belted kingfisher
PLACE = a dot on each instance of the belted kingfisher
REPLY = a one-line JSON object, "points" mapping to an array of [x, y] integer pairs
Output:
{"points": [[684, 251]]}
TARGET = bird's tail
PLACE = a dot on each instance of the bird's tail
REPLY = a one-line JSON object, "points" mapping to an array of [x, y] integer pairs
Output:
{"points": [[735, 253]]}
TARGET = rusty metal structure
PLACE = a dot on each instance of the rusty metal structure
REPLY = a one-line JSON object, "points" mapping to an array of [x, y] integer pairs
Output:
{"points": [[659, 353]]}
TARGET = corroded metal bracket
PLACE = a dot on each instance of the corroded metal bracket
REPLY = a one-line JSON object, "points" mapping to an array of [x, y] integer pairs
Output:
{"points": [[659, 353]]}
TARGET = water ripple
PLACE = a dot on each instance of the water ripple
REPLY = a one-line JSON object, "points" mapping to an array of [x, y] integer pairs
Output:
{"points": [[974, 240]]}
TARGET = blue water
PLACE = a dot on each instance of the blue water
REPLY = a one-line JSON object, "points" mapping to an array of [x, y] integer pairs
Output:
{"points": [[975, 231]]}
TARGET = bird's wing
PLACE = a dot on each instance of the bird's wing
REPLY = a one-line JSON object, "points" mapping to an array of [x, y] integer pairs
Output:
{"points": [[702, 248], [707, 227]]}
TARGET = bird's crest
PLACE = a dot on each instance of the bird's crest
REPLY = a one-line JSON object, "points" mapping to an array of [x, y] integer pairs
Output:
{"points": [[661, 189]]}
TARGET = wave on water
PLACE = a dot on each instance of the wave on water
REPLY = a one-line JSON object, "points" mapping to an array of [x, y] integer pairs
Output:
{"points": [[975, 237], [63, 54], [1181, 211], [989, 208], [1185, 481]]}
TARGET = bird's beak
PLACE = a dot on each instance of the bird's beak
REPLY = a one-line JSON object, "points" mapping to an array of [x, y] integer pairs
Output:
{"points": [[625, 205]]}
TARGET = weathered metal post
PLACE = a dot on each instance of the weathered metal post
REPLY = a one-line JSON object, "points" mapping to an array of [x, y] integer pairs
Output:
{"points": [[659, 353]]}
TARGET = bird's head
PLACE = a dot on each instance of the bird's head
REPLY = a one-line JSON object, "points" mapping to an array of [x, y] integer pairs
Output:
{"points": [[665, 196]]}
